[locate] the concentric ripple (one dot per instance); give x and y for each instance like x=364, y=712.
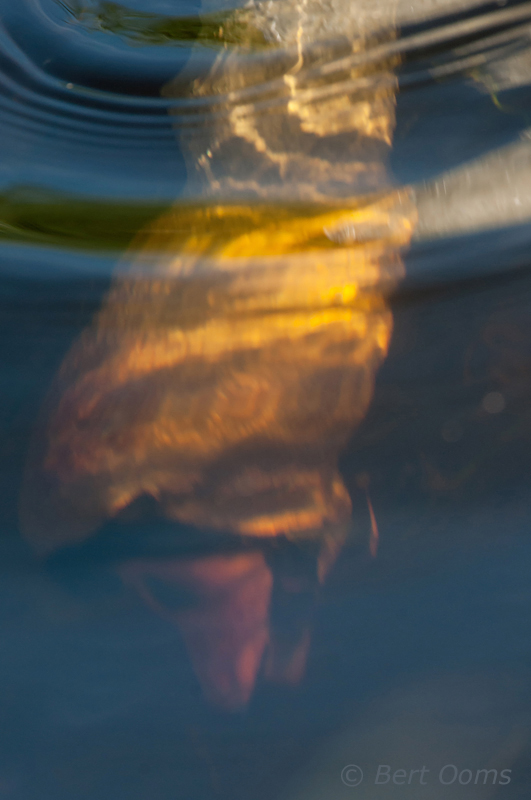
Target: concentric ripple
x=86, y=112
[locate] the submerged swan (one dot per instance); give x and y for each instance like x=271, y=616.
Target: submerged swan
x=235, y=355
x=228, y=368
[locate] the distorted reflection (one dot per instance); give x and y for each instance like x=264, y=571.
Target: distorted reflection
x=238, y=613
x=231, y=362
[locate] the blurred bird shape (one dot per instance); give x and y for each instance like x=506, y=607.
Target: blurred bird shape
x=228, y=368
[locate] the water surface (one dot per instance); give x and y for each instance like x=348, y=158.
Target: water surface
x=420, y=647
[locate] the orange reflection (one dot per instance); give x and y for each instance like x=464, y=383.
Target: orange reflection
x=225, y=387
x=231, y=362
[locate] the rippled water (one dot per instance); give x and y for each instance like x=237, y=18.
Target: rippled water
x=229, y=567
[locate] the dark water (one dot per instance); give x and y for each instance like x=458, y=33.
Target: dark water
x=420, y=656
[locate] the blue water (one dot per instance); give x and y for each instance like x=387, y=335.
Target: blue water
x=98, y=698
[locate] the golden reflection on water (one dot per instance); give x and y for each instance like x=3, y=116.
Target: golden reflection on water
x=226, y=386
x=225, y=389
x=233, y=358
